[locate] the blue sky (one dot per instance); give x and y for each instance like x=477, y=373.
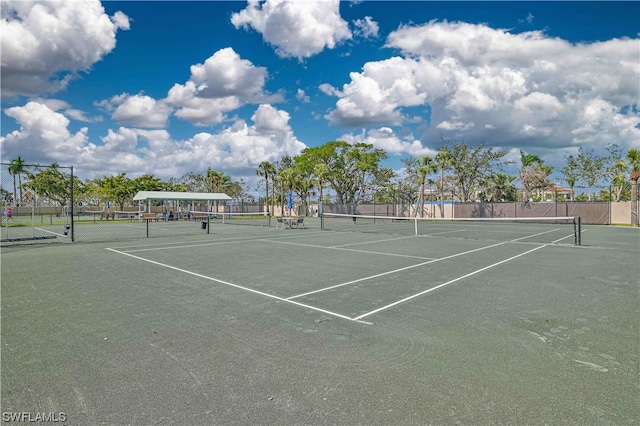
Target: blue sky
x=174, y=87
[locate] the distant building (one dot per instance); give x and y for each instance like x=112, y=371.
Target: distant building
x=555, y=192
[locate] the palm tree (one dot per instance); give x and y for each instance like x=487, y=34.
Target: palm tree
x=500, y=187
x=425, y=167
x=288, y=178
x=16, y=168
x=619, y=178
x=320, y=170
x=633, y=156
x=266, y=169
x=533, y=174
x=218, y=181
x=443, y=158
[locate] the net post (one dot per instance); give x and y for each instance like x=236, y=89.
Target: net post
x=147, y=220
x=72, y=202
x=209, y=223
x=322, y=221
x=579, y=231
x=415, y=226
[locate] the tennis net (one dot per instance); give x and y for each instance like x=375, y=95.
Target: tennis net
x=541, y=230
x=251, y=219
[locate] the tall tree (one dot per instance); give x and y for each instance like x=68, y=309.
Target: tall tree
x=350, y=168
x=54, y=185
x=289, y=178
x=619, y=178
x=471, y=166
x=320, y=171
x=616, y=170
x=194, y=182
x=426, y=168
x=633, y=157
x=266, y=169
x=285, y=162
x=382, y=189
x=533, y=174
x=592, y=168
x=119, y=189
x=16, y=169
x=217, y=181
x=148, y=182
x=443, y=159
x=571, y=173
x=500, y=187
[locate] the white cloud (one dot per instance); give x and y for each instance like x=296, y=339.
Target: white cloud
x=366, y=28
x=238, y=149
x=137, y=110
x=328, y=89
x=528, y=19
x=375, y=95
x=65, y=108
x=302, y=96
x=385, y=138
x=268, y=120
x=223, y=83
x=45, y=44
x=298, y=29
x=43, y=134
x=485, y=84
x=226, y=74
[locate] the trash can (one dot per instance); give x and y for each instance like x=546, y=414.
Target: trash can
x=204, y=225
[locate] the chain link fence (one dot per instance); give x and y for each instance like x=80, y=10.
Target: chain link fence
x=36, y=202
x=591, y=212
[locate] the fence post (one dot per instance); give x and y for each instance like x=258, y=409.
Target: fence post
x=71, y=212
x=610, y=199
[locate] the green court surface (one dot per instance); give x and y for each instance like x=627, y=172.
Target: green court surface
x=257, y=325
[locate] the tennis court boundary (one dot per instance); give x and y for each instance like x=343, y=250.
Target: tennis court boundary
x=250, y=290
x=360, y=317
x=406, y=299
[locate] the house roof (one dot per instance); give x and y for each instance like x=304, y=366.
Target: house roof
x=557, y=188
x=188, y=196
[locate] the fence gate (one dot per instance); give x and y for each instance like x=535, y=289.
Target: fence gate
x=37, y=203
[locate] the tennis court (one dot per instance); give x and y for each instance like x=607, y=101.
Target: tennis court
x=257, y=325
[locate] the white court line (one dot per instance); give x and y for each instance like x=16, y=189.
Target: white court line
x=410, y=267
x=347, y=249
x=51, y=232
x=250, y=290
x=190, y=245
x=453, y=231
x=445, y=284
x=169, y=245
x=376, y=241
x=335, y=314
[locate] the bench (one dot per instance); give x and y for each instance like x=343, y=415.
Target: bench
x=150, y=216
x=199, y=215
x=126, y=215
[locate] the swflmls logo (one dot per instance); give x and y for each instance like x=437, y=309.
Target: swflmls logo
x=27, y=417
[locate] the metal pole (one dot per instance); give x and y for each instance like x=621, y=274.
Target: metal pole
x=72, y=203
x=610, y=200
x=579, y=231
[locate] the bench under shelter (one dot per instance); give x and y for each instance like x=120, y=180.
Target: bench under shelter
x=188, y=200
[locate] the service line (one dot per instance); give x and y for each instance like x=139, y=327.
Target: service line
x=445, y=284
x=250, y=290
x=413, y=266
